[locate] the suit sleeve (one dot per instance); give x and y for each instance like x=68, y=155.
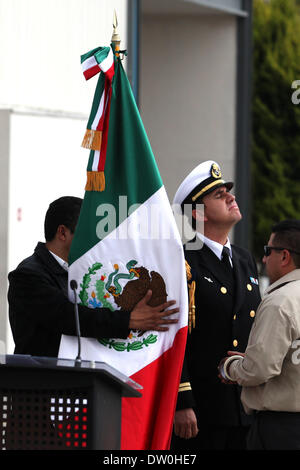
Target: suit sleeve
x=185, y=397
x=36, y=300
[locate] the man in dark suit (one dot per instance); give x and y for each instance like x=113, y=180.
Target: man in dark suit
x=39, y=308
x=224, y=295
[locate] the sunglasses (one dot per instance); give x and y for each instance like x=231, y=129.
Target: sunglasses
x=268, y=250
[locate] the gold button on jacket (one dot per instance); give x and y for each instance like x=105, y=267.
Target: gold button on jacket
x=218, y=299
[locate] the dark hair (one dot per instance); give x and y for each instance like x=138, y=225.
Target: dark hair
x=287, y=235
x=62, y=211
x=191, y=207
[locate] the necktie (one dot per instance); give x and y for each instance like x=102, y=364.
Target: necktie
x=225, y=257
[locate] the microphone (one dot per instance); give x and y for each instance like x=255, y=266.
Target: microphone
x=73, y=285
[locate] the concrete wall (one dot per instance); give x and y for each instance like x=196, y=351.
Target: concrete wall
x=188, y=91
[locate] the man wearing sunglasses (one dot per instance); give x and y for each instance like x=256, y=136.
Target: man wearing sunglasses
x=269, y=370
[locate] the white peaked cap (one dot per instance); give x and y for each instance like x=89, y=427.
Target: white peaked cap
x=204, y=179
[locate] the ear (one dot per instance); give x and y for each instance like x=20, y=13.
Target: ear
x=61, y=232
x=286, y=258
x=199, y=214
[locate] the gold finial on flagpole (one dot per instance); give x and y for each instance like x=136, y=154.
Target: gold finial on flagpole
x=115, y=39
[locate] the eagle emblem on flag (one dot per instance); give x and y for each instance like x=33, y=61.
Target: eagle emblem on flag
x=116, y=287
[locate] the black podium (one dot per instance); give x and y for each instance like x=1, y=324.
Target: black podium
x=55, y=404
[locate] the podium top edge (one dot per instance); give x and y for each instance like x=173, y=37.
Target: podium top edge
x=54, y=363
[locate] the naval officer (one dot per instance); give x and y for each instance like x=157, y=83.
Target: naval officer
x=224, y=295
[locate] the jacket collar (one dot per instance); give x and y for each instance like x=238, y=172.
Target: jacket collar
x=240, y=269
x=47, y=259
x=291, y=276
x=208, y=259
x=216, y=247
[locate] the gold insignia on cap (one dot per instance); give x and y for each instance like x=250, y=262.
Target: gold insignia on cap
x=215, y=171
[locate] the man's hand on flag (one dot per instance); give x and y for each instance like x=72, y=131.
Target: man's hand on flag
x=144, y=317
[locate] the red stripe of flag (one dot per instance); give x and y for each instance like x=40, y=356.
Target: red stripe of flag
x=89, y=73
x=147, y=422
x=104, y=124
x=110, y=72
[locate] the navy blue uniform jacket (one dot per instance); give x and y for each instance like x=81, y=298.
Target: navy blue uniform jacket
x=225, y=310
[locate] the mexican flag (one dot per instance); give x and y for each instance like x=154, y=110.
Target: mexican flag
x=125, y=243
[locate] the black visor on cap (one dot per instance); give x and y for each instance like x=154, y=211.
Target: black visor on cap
x=197, y=195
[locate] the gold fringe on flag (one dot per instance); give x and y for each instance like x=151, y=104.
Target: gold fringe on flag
x=92, y=140
x=95, y=181
x=192, y=307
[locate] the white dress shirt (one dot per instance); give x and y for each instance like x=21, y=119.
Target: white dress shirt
x=61, y=261
x=216, y=247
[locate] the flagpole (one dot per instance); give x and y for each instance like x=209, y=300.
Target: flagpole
x=115, y=39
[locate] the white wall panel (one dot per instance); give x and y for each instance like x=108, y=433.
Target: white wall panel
x=40, y=46
x=46, y=162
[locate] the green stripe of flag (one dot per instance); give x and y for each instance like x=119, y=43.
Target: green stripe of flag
x=130, y=168
x=100, y=54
